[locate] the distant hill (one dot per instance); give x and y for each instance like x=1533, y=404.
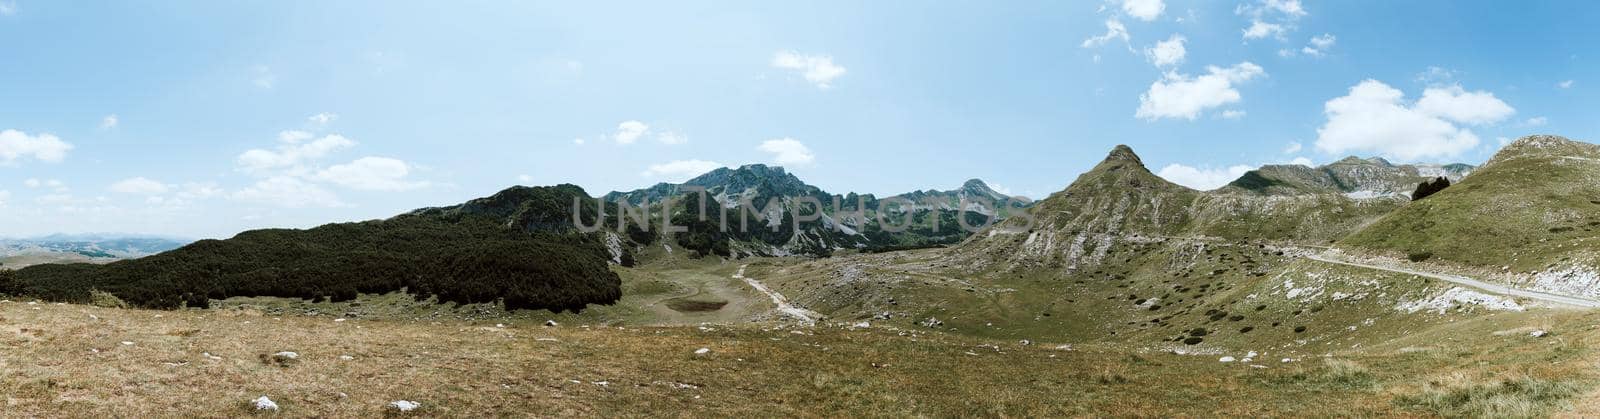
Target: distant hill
x=1533, y=207
x=91, y=245
x=845, y=227
x=1352, y=176
x=517, y=247
x=1120, y=202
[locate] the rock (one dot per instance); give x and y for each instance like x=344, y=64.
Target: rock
x=861, y=325
x=931, y=322
x=1025, y=342
x=264, y=403
x=549, y=323
x=346, y=358
x=702, y=351
x=282, y=359
x=1225, y=359
x=1538, y=333
x=127, y=343
x=404, y=405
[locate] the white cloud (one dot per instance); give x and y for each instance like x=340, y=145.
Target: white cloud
x=1273, y=18
x=1183, y=96
x=788, y=151
x=293, y=151
x=680, y=170
x=322, y=119
x=1259, y=29
x=1457, y=104
x=1536, y=121
x=672, y=138
x=525, y=179
x=1437, y=76
x=817, y=69
x=109, y=122
x=1146, y=10
x=1565, y=84
x=8, y=8
x=1293, y=147
x=371, y=174
x=578, y=141
x=629, y=131
x=1374, y=117
x=199, y=190
x=17, y=145
x=264, y=78
x=1303, y=162
x=1114, y=31
x=1205, y=178
x=1232, y=114
x=1168, y=52
x=289, y=192
x=1319, y=45
x=139, y=186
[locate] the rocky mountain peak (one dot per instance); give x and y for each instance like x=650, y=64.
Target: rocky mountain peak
x=1545, y=146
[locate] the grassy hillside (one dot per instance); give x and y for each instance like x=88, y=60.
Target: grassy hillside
x=515, y=252
x=1533, y=207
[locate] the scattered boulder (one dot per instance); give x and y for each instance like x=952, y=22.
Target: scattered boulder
x=549, y=323
x=1538, y=333
x=1225, y=359
x=702, y=351
x=282, y=359
x=264, y=404
x=404, y=405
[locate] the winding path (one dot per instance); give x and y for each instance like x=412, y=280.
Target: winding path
x=1461, y=280
x=784, y=307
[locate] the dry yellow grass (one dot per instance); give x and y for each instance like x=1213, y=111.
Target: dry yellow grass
x=70, y=360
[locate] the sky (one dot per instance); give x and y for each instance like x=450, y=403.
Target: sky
x=202, y=119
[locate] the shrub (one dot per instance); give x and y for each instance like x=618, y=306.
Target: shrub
x=1419, y=256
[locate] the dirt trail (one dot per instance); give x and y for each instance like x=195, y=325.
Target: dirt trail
x=784, y=307
x=1565, y=300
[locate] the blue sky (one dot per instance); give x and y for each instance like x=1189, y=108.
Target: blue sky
x=202, y=119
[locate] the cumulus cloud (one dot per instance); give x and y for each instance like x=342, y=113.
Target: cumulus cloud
x=289, y=192
x=322, y=119
x=1146, y=10
x=1232, y=114
x=139, y=186
x=1186, y=97
x=679, y=170
x=817, y=69
x=8, y=8
x=672, y=138
x=1274, y=18
x=629, y=131
x=1203, y=178
x=1167, y=53
x=109, y=122
x=295, y=148
x=17, y=146
x=1565, y=84
x=1536, y=121
x=371, y=174
x=788, y=152
x=1375, y=117
x=1114, y=31
x=1319, y=45
x=1293, y=147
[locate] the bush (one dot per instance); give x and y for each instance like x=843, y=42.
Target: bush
x=1419, y=256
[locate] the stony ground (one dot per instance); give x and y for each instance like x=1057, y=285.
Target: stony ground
x=72, y=360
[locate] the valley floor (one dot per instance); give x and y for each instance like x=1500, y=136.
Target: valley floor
x=642, y=357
